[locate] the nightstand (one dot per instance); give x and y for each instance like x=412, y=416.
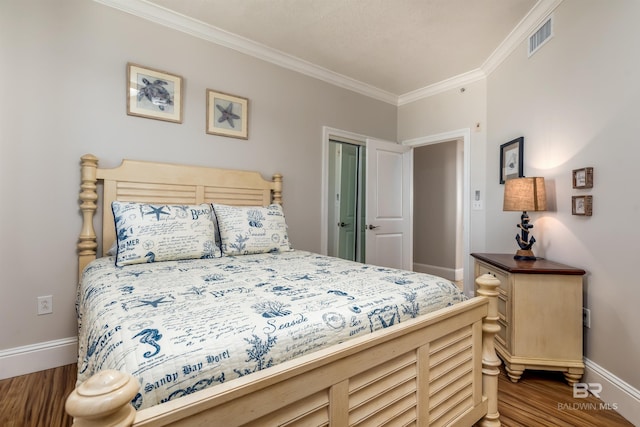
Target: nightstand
x=540, y=314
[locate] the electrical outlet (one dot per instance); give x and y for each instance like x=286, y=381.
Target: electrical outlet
x=586, y=317
x=45, y=305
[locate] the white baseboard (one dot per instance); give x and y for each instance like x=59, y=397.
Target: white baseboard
x=38, y=357
x=620, y=395
x=453, y=274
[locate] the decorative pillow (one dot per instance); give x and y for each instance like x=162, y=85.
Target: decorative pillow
x=251, y=229
x=148, y=233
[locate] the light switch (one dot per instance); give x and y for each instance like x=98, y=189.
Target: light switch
x=477, y=201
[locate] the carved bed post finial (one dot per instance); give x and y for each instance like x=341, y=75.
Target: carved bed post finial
x=87, y=242
x=104, y=400
x=487, y=287
x=277, y=188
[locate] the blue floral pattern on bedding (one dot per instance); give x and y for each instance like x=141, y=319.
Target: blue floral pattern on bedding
x=181, y=326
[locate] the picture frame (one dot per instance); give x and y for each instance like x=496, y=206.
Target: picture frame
x=227, y=115
x=582, y=205
x=512, y=159
x=583, y=178
x=153, y=94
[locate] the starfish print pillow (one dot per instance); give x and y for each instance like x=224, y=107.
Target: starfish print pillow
x=152, y=232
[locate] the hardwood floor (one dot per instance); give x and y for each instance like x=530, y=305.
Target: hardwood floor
x=37, y=399
x=545, y=399
x=538, y=399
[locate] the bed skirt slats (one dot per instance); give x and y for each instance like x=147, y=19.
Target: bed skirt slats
x=310, y=411
x=451, y=376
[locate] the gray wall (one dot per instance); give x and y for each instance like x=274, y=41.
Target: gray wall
x=576, y=103
x=63, y=86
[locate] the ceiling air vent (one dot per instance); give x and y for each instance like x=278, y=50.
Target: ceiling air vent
x=540, y=37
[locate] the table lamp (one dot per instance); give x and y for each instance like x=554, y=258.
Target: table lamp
x=525, y=194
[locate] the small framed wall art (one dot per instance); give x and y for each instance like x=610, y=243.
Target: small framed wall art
x=153, y=94
x=227, y=115
x=582, y=205
x=583, y=178
x=511, y=159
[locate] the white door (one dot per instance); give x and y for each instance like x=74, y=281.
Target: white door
x=388, y=204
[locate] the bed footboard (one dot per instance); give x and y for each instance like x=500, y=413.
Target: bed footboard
x=440, y=369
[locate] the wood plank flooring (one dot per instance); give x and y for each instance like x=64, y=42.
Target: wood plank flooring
x=538, y=399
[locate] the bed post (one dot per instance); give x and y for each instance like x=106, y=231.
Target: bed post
x=104, y=400
x=87, y=242
x=487, y=287
x=277, y=188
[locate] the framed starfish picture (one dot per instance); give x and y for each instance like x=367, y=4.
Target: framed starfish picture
x=227, y=115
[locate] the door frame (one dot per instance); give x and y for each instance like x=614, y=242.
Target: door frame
x=464, y=135
x=329, y=133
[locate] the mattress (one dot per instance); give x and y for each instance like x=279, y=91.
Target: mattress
x=182, y=326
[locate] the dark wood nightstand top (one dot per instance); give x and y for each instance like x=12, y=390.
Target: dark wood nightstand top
x=539, y=266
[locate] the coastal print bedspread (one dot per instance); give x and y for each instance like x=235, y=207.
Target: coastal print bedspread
x=181, y=326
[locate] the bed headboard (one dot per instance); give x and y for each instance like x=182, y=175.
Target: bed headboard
x=168, y=183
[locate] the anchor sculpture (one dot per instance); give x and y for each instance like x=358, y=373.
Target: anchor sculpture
x=525, y=252
x=525, y=194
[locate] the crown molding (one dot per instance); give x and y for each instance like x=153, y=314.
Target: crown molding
x=442, y=86
x=196, y=28
x=168, y=18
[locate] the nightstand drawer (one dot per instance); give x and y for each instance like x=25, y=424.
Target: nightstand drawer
x=483, y=268
x=503, y=301
x=503, y=320
x=501, y=336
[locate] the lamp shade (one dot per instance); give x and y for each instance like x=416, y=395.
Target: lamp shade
x=525, y=194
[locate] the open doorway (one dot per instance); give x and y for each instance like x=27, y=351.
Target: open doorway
x=457, y=193
x=346, y=213
x=437, y=244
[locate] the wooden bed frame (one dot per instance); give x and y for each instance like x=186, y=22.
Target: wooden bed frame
x=438, y=369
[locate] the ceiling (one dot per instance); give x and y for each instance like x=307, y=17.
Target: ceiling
x=389, y=48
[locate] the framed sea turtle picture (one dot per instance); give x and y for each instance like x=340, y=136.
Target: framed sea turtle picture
x=154, y=94
x=227, y=115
